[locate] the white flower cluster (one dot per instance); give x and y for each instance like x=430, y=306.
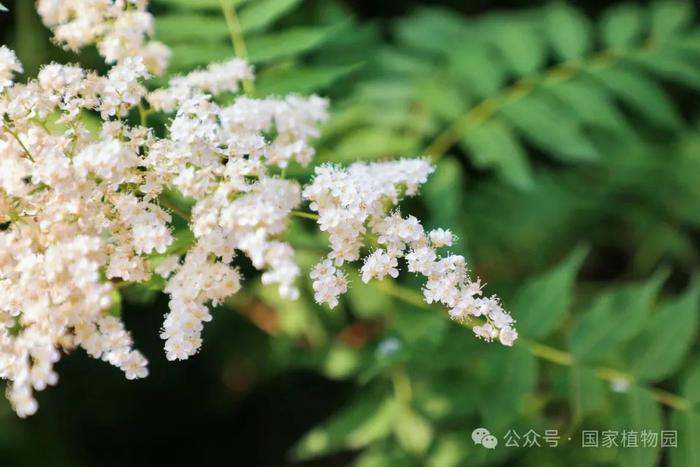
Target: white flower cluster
x=352, y=205
x=119, y=29
x=81, y=214
x=9, y=65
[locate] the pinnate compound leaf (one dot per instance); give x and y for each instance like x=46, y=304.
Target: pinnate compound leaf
x=614, y=318
x=522, y=48
x=549, y=126
x=641, y=94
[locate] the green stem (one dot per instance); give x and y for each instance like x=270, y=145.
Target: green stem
x=402, y=385
x=143, y=114
x=27, y=154
x=550, y=354
x=166, y=202
x=237, y=39
x=305, y=215
x=521, y=88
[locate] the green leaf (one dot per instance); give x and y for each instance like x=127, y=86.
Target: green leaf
x=481, y=73
x=432, y=30
x=191, y=27
x=493, y=145
x=365, y=301
x=614, y=318
x=522, y=48
x=507, y=377
x=361, y=423
x=569, y=31
x=413, y=432
x=299, y=79
x=542, y=303
x=372, y=143
x=670, y=17
x=673, y=67
x=420, y=331
x=291, y=42
x=442, y=194
x=116, y=308
x=441, y=96
x=587, y=391
x=641, y=94
x=591, y=102
x=450, y=451
x=622, y=25
x=341, y=361
x=636, y=411
x=549, y=126
x=658, y=351
x=687, y=424
x=259, y=14
x=196, y=4
x=185, y=57
x=297, y=318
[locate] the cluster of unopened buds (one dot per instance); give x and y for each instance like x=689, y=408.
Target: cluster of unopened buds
x=82, y=210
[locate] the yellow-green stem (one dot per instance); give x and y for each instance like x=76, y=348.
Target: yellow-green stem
x=521, y=88
x=548, y=353
x=305, y=215
x=237, y=39
x=27, y=154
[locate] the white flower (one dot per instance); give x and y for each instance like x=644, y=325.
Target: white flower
x=81, y=210
x=378, y=265
x=9, y=65
x=441, y=237
x=507, y=336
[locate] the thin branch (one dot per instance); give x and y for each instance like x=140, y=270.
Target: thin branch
x=521, y=88
x=550, y=354
x=237, y=39
x=305, y=215
x=27, y=154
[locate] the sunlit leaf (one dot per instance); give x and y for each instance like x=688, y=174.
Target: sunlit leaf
x=362, y=422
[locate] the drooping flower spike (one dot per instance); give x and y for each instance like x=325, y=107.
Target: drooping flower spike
x=80, y=211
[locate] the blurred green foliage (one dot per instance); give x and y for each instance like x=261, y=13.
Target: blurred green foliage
x=568, y=152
